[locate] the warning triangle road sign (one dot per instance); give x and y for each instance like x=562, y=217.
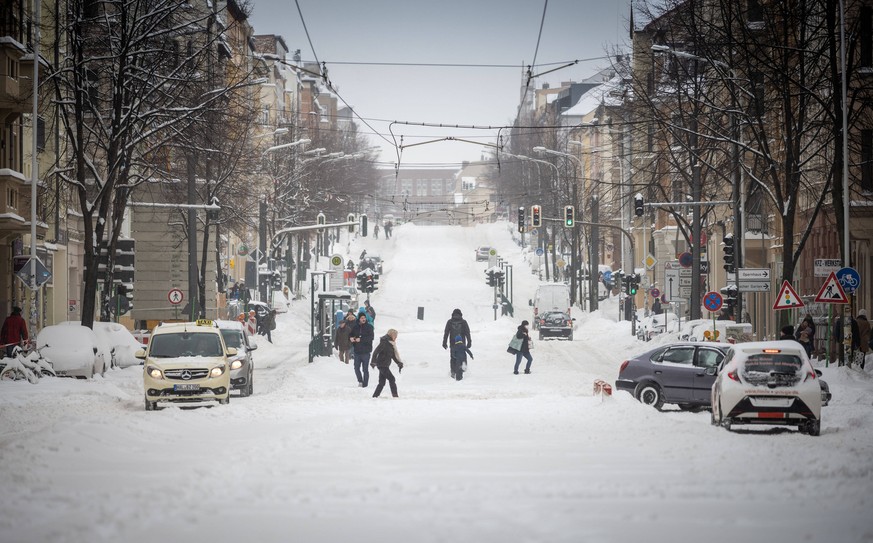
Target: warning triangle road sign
x=832, y=292
x=787, y=298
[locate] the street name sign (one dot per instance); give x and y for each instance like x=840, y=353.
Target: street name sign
x=754, y=274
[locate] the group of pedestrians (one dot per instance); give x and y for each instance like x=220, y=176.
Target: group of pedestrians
x=261, y=323
x=861, y=336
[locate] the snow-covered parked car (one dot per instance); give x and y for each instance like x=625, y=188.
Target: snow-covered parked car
x=123, y=346
x=73, y=350
x=767, y=382
x=655, y=325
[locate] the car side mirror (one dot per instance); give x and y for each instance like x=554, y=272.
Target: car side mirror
x=231, y=351
x=530, y=303
x=140, y=353
x=253, y=345
x=818, y=372
x=711, y=370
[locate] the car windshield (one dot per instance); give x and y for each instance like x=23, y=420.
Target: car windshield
x=232, y=338
x=185, y=344
x=555, y=317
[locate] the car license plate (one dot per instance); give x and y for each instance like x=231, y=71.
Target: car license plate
x=771, y=402
x=186, y=387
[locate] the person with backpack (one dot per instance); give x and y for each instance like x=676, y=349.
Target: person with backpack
x=343, y=340
x=361, y=339
x=459, y=357
x=370, y=311
x=382, y=357
x=269, y=324
x=14, y=331
x=456, y=326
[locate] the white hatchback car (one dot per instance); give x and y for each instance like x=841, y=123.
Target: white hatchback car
x=73, y=350
x=767, y=382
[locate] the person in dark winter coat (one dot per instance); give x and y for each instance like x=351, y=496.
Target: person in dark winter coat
x=361, y=338
x=269, y=324
x=459, y=357
x=382, y=357
x=370, y=311
x=14, y=330
x=524, y=351
x=343, y=340
x=456, y=326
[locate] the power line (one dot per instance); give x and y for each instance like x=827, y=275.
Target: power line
x=456, y=64
x=536, y=51
x=306, y=30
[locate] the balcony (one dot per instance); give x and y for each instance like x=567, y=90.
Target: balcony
x=15, y=81
x=15, y=205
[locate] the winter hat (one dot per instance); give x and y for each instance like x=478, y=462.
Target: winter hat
x=16, y=310
x=524, y=323
x=456, y=313
x=862, y=313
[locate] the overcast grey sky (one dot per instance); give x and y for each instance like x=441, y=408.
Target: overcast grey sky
x=494, y=32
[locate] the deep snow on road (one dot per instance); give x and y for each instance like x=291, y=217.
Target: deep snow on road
x=495, y=457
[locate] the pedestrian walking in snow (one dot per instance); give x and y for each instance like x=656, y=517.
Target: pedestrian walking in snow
x=456, y=326
x=863, y=335
x=523, y=349
x=361, y=338
x=376, y=231
x=459, y=352
x=389, y=228
x=343, y=337
x=370, y=311
x=382, y=357
x=269, y=324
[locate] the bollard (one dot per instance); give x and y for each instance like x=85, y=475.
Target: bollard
x=421, y=313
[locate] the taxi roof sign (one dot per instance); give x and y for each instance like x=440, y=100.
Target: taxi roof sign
x=205, y=322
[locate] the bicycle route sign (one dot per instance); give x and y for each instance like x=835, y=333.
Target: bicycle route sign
x=849, y=279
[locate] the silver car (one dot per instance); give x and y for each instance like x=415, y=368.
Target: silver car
x=242, y=367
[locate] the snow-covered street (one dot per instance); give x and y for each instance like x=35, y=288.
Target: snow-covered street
x=495, y=457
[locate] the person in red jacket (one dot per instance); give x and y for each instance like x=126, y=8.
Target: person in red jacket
x=14, y=330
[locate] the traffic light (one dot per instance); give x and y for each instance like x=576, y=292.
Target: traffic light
x=521, y=219
x=499, y=278
x=492, y=280
x=569, y=216
x=728, y=253
x=362, y=281
x=320, y=219
x=374, y=282
x=364, y=225
x=351, y=218
x=634, y=284
x=536, y=216
x=638, y=205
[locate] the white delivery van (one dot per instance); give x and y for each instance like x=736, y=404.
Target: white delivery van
x=551, y=297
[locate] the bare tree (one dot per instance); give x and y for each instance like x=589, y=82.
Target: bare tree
x=131, y=82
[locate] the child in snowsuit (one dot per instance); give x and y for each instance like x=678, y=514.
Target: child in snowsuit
x=459, y=357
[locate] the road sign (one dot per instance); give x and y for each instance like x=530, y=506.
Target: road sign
x=607, y=276
x=684, y=292
x=787, y=298
x=756, y=286
x=175, y=296
x=849, y=280
x=712, y=301
x=256, y=255
x=655, y=293
x=493, y=252
x=22, y=266
x=685, y=260
x=539, y=251
x=832, y=292
x=650, y=261
x=754, y=274
x=336, y=260
x=824, y=266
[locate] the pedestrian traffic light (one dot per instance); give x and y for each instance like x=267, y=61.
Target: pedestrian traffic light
x=536, y=217
x=728, y=253
x=638, y=205
x=521, y=219
x=351, y=218
x=364, y=225
x=569, y=216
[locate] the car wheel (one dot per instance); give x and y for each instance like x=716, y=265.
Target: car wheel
x=251, y=386
x=541, y=336
x=150, y=406
x=225, y=401
x=727, y=423
x=813, y=427
x=650, y=394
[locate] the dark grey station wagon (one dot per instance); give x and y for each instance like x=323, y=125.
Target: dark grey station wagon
x=674, y=374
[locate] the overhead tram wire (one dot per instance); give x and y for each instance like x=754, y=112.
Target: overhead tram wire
x=536, y=52
x=306, y=30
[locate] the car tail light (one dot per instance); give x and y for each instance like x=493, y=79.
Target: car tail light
x=623, y=366
x=734, y=375
x=809, y=375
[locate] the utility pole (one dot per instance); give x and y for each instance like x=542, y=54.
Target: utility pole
x=594, y=258
x=694, y=309
x=193, y=283
x=262, y=247
x=574, y=244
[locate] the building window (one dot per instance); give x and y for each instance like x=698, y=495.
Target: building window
x=12, y=198
x=92, y=87
x=11, y=68
x=91, y=8
x=754, y=11
x=40, y=134
x=650, y=137
x=867, y=160
x=866, y=37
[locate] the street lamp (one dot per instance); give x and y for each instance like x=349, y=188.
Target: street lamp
x=304, y=141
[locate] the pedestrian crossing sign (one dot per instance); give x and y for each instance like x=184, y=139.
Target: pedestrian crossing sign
x=788, y=298
x=832, y=292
